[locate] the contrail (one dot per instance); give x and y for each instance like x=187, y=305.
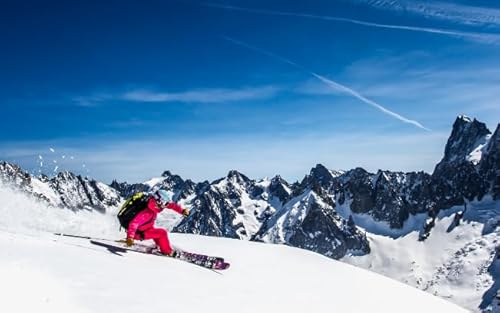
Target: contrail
x=481, y=37
x=454, y=12
x=328, y=82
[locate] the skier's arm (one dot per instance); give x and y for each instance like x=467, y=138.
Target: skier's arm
x=174, y=206
x=141, y=218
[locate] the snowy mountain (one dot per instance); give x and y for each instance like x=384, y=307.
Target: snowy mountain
x=389, y=197
x=461, y=174
x=458, y=261
x=308, y=222
x=180, y=188
x=65, y=190
x=234, y=206
x=46, y=273
x=359, y=217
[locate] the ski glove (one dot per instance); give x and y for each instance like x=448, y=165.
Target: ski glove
x=185, y=212
x=130, y=242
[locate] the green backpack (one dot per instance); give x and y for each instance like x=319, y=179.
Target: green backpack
x=131, y=208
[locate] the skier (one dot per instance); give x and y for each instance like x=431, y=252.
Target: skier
x=141, y=227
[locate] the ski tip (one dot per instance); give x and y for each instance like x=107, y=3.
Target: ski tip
x=223, y=266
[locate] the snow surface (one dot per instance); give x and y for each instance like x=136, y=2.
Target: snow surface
x=249, y=210
x=42, y=272
x=43, y=188
x=451, y=263
x=475, y=155
x=154, y=181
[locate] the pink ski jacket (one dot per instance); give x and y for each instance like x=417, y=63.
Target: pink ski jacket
x=145, y=219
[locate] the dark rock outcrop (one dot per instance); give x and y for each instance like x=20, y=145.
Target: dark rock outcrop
x=457, y=176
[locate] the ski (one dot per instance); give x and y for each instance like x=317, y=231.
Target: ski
x=213, y=262
x=181, y=253
x=210, y=262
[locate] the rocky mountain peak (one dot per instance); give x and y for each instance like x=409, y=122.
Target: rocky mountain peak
x=65, y=190
x=13, y=174
x=311, y=223
x=65, y=175
x=280, y=188
x=171, y=180
x=237, y=177
x=77, y=192
x=127, y=190
x=171, y=177
x=278, y=180
x=465, y=136
x=167, y=173
x=319, y=178
x=322, y=174
x=466, y=171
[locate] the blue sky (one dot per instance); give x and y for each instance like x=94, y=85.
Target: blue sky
x=127, y=89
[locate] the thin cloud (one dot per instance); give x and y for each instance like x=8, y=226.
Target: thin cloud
x=90, y=101
x=412, y=74
x=453, y=12
x=203, y=95
x=476, y=36
x=368, y=101
x=335, y=85
x=444, y=89
x=215, y=95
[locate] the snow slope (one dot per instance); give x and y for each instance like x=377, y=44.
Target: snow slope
x=451, y=263
x=46, y=273
x=49, y=274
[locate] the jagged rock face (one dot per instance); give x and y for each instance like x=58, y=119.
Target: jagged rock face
x=238, y=207
x=453, y=182
x=233, y=207
x=386, y=196
x=320, y=178
x=127, y=190
x=280, y=189
x=77, y=192
x=417, y=191
x=210, y=216
x=465, y=136
x=357, y=185
x=490, y=164
x=13, y=175
x=309, y=221
x=390, y=204
x=323, y=231
x=185, y=190
x=457, y=176
x=65, y=190
x=397, y=195
x=322, y=175
x=181, y=188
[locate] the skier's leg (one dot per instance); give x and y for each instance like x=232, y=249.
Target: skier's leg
x=160, y=237
x=139, y=235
